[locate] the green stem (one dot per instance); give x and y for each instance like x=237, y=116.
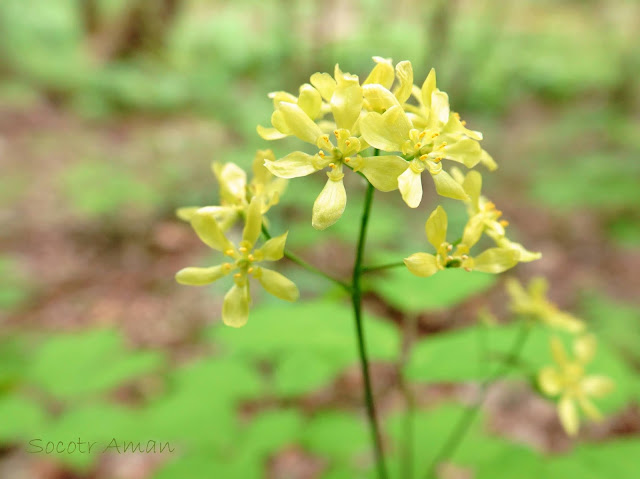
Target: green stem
x=459, y=432
x=367, y=269
x=356, y=298
x=309, y=267
x=407, y=446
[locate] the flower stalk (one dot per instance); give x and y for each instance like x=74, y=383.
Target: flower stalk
x=356, y=299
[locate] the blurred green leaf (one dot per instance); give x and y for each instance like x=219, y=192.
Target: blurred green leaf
x=199, y=410
x=22, y=418
x=72, y=366
x=339, y=436
x=591, y=180
x=270, y=431
x=320, y=334
x=98, y=188
x=206, y=465
x=318, y=371
x=614, y=322
x=443, y=290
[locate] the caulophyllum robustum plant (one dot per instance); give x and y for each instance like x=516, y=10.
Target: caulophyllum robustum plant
x=394, y=135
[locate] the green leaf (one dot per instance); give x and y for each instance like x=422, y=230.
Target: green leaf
x=199, y=410
x=513, y=461
x=271, y=431
x=73, y=365
x=614, y=322
x=303, y=372
x=431, y=429
x=443, y=290
x=22, y=418
x=13, y=361
x=96, y=423
x=338, y=436
x=613, y=458
x=314, y=332
x=205, y=465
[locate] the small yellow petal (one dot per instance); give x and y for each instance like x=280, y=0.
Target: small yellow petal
x=253, y=222
x=225, y=216
x=473, y=231
x=299, y=123
x=584, y=348
x=235, y=308
x=488, y=161
x=388, y=131
x=383, y=171
x=436, y=227
x=439, y=108
x=186, y=213
x=278, y=285
x=200, y=276
x=325, y=84
x=558, y=352
x=208, y=230
x=310, y=101
x=550, y=381
x=422, y=264
x=233, y=181
x=382, y=73
x=465, y=151
x=280, y=124
x=260, y=174
x=404, y=72
x=410, y=186
x=346, y=101
x=378, y=98
x=597, y=386
x=269, y=133
x=273, y=249
x=495, y=260
x=568, y=416
x=589, y=409
x=447, y=186
x=294, y=165
x=472, y=185
x=428, y=87
x=329, y=205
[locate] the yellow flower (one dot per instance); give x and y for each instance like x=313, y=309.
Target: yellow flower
x=492, y=260
x=425, y=134
x=244, y=260
x=235, y=194
x=534, y=303
x=567, y=379
x=344, y=101
x=487, y=216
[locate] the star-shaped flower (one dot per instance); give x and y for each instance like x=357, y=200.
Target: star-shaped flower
x=567, y=379
x=244, y=260
x=492, y=260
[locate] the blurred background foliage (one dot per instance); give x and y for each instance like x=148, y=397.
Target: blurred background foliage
x=111, y=112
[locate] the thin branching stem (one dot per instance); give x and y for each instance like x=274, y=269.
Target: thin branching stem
x=462, y=427
x=368, y=269
x=309, y=267
x=410, y=327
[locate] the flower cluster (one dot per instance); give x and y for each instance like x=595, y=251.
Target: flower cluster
x=343, y=118
x=244, y=259
x=416, y=130
x=386, y=129
x=566, y=380
x=236, y=193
